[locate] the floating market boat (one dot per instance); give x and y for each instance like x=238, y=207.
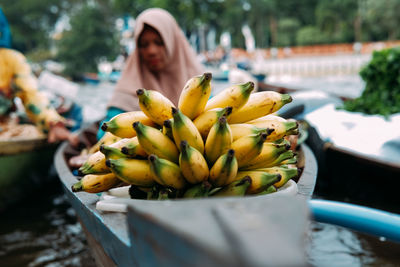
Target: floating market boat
x=245, y=231
x=24, y=166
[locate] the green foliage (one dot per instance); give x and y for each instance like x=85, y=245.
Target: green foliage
x=382, y=89
x=92, y=37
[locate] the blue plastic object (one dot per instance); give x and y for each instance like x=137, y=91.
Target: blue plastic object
x=5, y=33
x=363, y=219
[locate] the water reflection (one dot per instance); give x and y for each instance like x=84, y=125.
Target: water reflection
x=43, y=231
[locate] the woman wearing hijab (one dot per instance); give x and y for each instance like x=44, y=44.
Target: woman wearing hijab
x=162, y=61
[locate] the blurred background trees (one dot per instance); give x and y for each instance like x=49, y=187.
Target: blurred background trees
x=82, y=33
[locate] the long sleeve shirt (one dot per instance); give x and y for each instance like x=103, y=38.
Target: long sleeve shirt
x=17, y=80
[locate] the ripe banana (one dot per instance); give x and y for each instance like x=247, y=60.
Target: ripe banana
x=184, y=129
x=224, y=170
x=199, y=190
x=259, y=180
x=194, y=95
x=281, y=126
x=155, y=142
x=235, y=189
x=107, y=139
x=132, y=171
x=96, y=163
x=133, y=149
x=248, y=147
x=270, y=152
x=155, y=105
x=207, y=119
x=234, y=96
x=121, y=124
x=96, y=183
x=111, y=152
x=192, y=163
x=242, y=129
x=166, y=172
x=218, y=141
x=267, y=164
x=285, y=171
x=258, y=105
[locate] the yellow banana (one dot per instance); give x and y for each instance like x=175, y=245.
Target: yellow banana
x=207, y=119
x=248, y=147
x=167, y=129
x=218, y=141
x=285, y=171
x=192, y=163
x=166, y=172
x=155, y=142
x=121, y=124
x=224, y=170
x=132, y=171
x=133, y=149
x=269, y=153
x=194, y=95
x=234, y=96
x=282, y=158
x=155, y=105
x=281, y=126
x=96, y=183
x=184, y=129
x=107, y=139
x=258, y=105
x=259, y=180
x=111, y=152
x=96, y=163
x=234, y=189
x=242, y=129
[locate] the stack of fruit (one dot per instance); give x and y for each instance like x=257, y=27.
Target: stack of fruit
x=229, y=145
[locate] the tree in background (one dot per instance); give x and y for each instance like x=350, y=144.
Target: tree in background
x=91, y=38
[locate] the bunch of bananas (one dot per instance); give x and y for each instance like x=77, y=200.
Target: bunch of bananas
x=229, y=145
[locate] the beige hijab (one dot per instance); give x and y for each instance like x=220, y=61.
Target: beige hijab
x=182, y=63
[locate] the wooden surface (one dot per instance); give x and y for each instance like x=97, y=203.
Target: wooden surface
x=250, y=231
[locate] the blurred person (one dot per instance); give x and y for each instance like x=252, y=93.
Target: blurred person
x=17, y=80
x=163, y=60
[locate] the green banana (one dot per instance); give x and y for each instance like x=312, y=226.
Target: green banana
x=259, y=180
x=199, y=190
x=155, y=142
x=166, y=172
x=234, y=189
x=285, y=171
x=269, y=190
x=270, y=152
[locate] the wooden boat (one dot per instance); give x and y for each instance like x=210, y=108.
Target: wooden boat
x=24, y=166
x=204, y=232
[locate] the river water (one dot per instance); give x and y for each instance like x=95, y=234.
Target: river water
x=43, y=230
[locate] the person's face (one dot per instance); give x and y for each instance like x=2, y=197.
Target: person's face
x=152, y=50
